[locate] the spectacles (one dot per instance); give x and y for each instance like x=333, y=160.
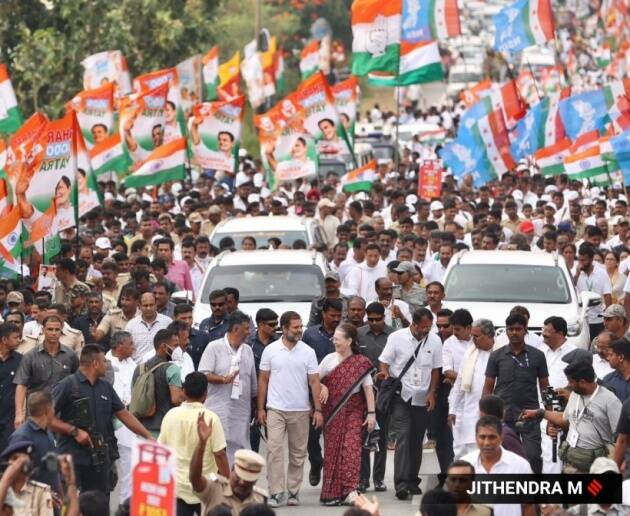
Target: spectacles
x=273, y=324
x=374, y=319
x=442, y=326
x=217, y=304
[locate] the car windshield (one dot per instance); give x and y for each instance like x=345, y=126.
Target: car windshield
x=286, y=237
x=385, y=152
x=267, y=282
x=507, y=284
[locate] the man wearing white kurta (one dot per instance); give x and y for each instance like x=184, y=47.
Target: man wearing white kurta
x=464, y=399
x=360, y=280
x=229, y=366
x=555, y=338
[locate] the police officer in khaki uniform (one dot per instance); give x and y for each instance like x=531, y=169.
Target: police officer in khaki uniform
x=235, y=492
x=70, y=337
x=116, y=319
x=66, y=276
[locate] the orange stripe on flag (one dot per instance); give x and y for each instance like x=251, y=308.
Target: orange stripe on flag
x=109, y=143
x=354, y=174
x=407, y=47
x=311, y=48
x=365, y=11
x=4, y=73
x=167, y=149
x=8, y=224
x=545, y=15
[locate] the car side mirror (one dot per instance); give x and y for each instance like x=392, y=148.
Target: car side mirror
x=591, y=299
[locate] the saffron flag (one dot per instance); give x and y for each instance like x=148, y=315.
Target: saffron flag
x=361, y=179
x=550, y=160
x=419, y=63
x=430, y=20
x=10, y=243
x=210, y=71
x=109, y=156
x=376, y=28
x=473, y=95
x=346, y=95
x=108, y=66
x=230, y=78
x=523, y=24
x=10, y=115
x=215, y=133
x=166, y=163
x=309, y=59
x=95, y=113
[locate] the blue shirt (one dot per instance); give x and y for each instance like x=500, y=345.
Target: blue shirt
x=258, y=347
x=8, y=369
x=320, y=340
x=215, y=330
x=198, y=340
x=43, y=443
x=618, y=385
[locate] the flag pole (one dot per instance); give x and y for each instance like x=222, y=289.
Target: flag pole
x=531, y=70
x=397, y=122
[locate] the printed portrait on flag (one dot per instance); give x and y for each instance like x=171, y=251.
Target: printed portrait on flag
x=215, y=132
x=95, y=113
x=346, y=95
x=293, y=157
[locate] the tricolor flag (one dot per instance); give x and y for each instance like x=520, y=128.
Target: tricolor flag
x=550, y=160
x=523, y=24
x=309, y=59
x=10, y=244
x=527, y=87
x=586, y=164
x=376, y=27
x=419, y=63
x=166, y=163
x=554, y=128
x=346, y=94
x=529, y=133
x=95, y=113
x=361, y=179
x=506, y=98
x=429, y=20
x=493, y=133
x=210, y=73
x=10, y=115
x=473, y=95
x=230, y=78
x=109, y=156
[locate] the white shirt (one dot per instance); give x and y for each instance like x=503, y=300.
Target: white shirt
x=143, y=335
x=453, y=351
x=597, y=282
x=360, y=280
x=509, y=463
x=434, y=272
x=404, y=309
x=601, y=366
x=184, y=361
x=399, y=349
x=288, y=387
x=123, y=374
x=346, y=266
x=555, y=365
x=31, y=329
x=531, y=339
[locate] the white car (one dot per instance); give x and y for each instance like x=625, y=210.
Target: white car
x=490, y=283
x=463, y=76
x=287, y=228
x=278, y=279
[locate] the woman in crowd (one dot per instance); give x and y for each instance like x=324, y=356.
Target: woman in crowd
x=617, y=280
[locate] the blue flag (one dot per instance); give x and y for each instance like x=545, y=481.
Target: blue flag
x=584, y=112
x=621, y=149
x=529, y=133
x=523, y=24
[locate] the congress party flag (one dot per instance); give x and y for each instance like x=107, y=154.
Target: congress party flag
x=554, y=128
x=550, y=160
x=523, y=24
x=428, y=20
x=142, y=119
x=621, y=148
x=109, y=156
x=215, y=132
x=103, y=67
x=376, y=28
x=473, y=95
x=529, y=133
x=419, y=63
x=253, y=74
x=361, y=179
x=526, y=84
x=210, y=70
x=269, y=62
x=493, y=134
x=190, y=84
x=166, y=163
x=86, y=191
x=584, y=112
x=174, y=119
x=95, y=113
x=10, y=115
x=321, y=118
x=10, y=243
x=506, y=98
x=346, y=95
x=230, y=78
x=309, y=59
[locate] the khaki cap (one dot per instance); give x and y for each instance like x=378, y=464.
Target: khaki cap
x=248, y=465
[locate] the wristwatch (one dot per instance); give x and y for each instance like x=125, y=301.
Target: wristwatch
x=74, y=432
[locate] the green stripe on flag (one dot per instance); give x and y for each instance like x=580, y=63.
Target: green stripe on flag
x=119, y=164
x=553, y=170
x=432, y=23
x=12, y=122
x=364, y=62
x=177, y=173
x=429, y=73
x=359, y=186
x=526, y=23
x=591, y=172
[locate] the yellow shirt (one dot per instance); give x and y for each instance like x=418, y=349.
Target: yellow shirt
x=179, y=431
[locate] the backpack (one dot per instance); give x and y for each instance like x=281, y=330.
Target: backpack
x=142, y=403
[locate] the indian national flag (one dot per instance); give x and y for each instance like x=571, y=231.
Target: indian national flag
x=472, y=95
x=109, y=156
x=309, y=59
x=166, y=163
x=495, y=138
x=210, y=69
x=419, y=63
x=376, y=27
x=10, y=243
x=361, y=179
x=586, y=164
x=550, y=160
x=10, y=115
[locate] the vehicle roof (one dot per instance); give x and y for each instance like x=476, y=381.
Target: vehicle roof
x=269, y=257
x=257, y=224
x=506, y=257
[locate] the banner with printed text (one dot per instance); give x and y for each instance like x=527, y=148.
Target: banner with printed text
x=104, y=67
x=190, y=85
x=346, y=95
x=430, y=180
x=95, y=113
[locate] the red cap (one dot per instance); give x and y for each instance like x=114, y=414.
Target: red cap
x=526, y=226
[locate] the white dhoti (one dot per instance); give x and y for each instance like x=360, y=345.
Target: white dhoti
x=547, y=449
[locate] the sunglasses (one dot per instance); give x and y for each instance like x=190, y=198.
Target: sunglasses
x=217, y=304
x=442, y=326
x=273, y=324
x=374, y=319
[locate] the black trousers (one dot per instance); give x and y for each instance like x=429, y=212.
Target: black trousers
x=90, y=478
x=411, y=424
x=188, y=509
x=531, y=438
x=254, y=438
x=380, y=457
x=442, y=433
x=314, y=448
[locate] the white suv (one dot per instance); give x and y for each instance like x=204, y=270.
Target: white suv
x=490, y=283
x=281, y=280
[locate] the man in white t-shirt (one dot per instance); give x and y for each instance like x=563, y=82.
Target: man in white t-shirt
x=593, y=279
x=288, y=370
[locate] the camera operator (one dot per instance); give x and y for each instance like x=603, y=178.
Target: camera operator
x=85, y=405
x=30, y=497
x=590, y=419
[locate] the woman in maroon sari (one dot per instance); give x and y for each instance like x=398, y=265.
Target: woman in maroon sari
x=347, y=395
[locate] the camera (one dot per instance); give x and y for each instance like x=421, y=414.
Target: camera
x=551, y=399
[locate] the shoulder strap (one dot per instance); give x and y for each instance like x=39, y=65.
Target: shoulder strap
x=413, y=357
x=154, y=368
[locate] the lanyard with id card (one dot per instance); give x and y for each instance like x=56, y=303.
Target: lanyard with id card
x=416, y=371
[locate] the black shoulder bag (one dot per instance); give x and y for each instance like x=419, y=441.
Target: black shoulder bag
x=393, y=385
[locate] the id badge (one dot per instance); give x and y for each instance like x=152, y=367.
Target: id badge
x=416, y=377
x=572, y=438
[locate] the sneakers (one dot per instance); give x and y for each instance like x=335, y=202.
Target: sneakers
x=293, y=500
x=276, y=500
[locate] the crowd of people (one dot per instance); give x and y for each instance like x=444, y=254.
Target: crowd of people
x=109, y=352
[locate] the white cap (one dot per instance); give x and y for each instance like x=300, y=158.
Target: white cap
x=436, y=205
x=176, y=188
x=518, y=195
x=240, y=179
x=460, y=219
x=411, y=199
x=587, y=201
x=545, y=197
x=265, y=192
x=551, y=205
x=253, y=197
x=103, y=243
x=572, y=195
x=108, y=196
x=551, y=188
x=242, y=152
